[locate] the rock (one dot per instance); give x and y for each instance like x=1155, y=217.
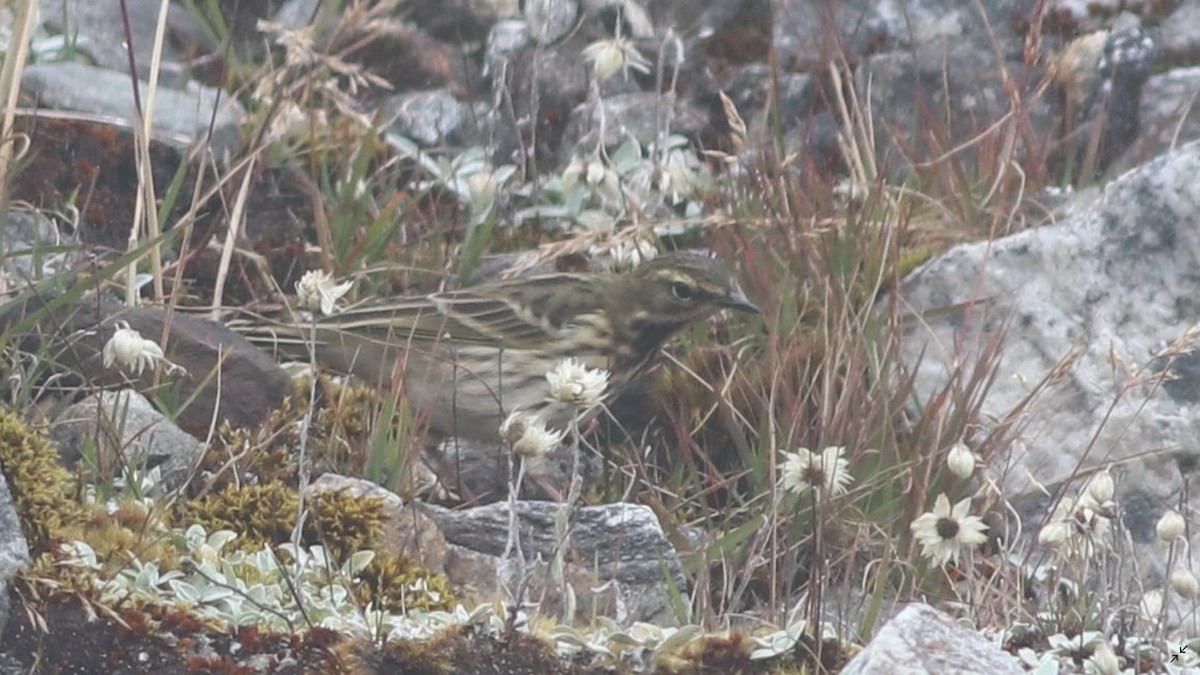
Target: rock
x=517, y=67
x=98, y=30
x=1104, y=95
x=24, y=238
x=181, y=116
x=1093, y=304
x=548, y=21
x=431, y=118
x=227, y=378
x=14, y=551
x=1181, y=34
x=407, y=531
x=923, y=640
x=903, y=87
x=121, y=428
x=810, y=34
x=621, y=543
x=640, y=115
x=409, y=58
x=477, y=472
x=1170, y=115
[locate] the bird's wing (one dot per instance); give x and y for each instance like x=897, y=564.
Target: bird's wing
x=512, y=315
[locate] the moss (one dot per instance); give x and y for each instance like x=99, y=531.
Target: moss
x=461, y=649
x=263, y=455
x=265, y=514
x=911, y=260
x=354, y=409
x=132, y=528
x=43, y=490
x=341, y=428
x=259, y=514
x=387, y=583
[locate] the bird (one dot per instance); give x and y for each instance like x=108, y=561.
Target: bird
x=468, y=358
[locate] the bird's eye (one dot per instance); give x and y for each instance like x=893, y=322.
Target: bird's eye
x=681, y=290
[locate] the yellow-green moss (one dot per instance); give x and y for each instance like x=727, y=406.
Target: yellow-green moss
x=265, y=514
x=43, y=490
x=393, y=583
x=911, y=259
x=263, y=455
x=132, y=528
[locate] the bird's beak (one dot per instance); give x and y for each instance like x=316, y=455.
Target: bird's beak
x=737, y=300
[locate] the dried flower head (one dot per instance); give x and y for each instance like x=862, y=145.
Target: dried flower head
x=128, y=349
x=1101, y=487
x=574, y=383
x=1170, y=526
x=1077, y=526
x=827, y=473
x=1185, y=583
x=609, y=56
x=528, y=435
x=316, y=290
x=945, y=530
x=1055, y=534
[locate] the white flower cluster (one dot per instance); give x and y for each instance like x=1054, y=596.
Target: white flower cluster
x=316, y=290
x=128, y=349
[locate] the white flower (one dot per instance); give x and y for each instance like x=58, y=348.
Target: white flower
x=1184, y=583
x=528, y=435
x=573, y=382
x=316, y=291
x=1170, y=526
x=1101, y=487
x=626, y=254
x=960, y=460
x=1055, y=534
x=827, y=473
x=1078, y=525
x=943, y=531
x=130, y=350
x=609, y=56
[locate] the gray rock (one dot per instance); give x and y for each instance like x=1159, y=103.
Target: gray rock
x=181, y=116
x=1181, y=33
x=1109, y=121
x=959, y=81
x=641, y=115
x=923, y=640
x=10, y=665
x=1111, y=287
x=621, y=543
x=25, y=237
x=431, y=118
x=123, y=428
x=97, y=29
x=549, y=20
x=14, y=551
x=1170, y=115
x=477, y=472
x=808, y=34
x=620, y=563
x=227, y=378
